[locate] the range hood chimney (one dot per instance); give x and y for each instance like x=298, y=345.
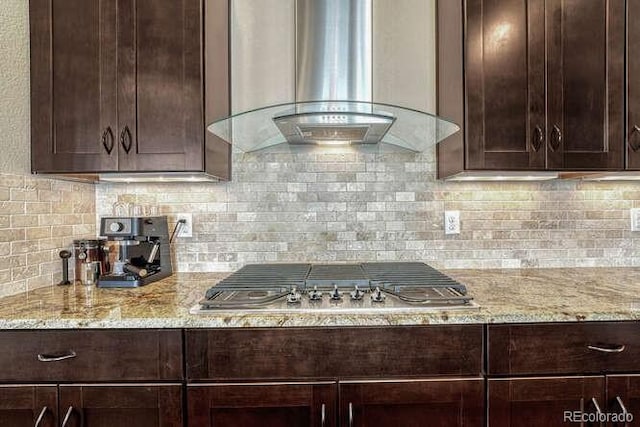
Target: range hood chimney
x=334, y=91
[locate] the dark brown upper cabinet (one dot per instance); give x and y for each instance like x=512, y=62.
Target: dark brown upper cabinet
x=535, y=84
x=118, y=86
x=633, y=85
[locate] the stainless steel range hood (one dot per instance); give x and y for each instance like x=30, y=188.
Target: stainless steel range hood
x=334, y=91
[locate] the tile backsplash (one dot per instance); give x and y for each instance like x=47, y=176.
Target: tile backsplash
x=38, y=218
x=346, y=205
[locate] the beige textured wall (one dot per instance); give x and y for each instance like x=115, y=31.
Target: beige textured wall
x=38, y=217
x=14, y=87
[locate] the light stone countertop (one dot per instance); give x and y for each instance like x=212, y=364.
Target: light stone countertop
x=505, y=296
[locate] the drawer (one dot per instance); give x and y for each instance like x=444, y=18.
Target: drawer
x=563, y=348
x=305, y=353
x=90, y=355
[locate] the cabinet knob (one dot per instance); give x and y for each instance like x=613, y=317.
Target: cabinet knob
x=537, y=139
x=107, y=140
x=556, y=138
x=634, y=138
x=125, y=139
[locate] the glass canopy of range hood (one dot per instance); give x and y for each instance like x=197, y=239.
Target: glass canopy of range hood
x=333, y=123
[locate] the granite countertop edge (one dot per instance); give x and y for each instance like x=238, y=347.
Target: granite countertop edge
x=504, y=296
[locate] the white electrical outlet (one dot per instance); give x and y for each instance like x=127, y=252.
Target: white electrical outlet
x=452, y=222
x=187, y=228
x=635, y=219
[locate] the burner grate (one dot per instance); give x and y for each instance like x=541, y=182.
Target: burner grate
x=409, y=274
x=281, y=277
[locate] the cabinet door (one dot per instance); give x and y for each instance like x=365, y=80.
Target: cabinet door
x=25, y=406
x=416, y=403
x=505, y=85
x=73, y=85
x=633, y=84
x=623, y=395
x=545, y=402
x=263, y=405
x=160, y=103
x=585, y=72
x=121, y=405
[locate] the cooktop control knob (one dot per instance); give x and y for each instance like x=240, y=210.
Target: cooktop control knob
x=357, y=294
x=315, y=294
x=377, y=295
x=294, y=297
x=116, y=226
x=335, y=294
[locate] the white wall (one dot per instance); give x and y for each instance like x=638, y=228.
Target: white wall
x=14, y=87
x=404, y=53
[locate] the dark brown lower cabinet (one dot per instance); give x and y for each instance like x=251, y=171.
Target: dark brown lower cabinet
x=522, y=402
x=109, y=405
x=26, y=405
x=623, y=396
x=264, y=405
x=438, y=402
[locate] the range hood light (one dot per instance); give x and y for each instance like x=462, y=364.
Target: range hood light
x=333, y=142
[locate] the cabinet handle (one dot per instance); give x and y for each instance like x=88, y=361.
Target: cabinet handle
x=67, y=417
x=323, y=415
x=622, y=406
x=125, y=139
x=107, y=140
x=613, y=349
x=596, y=405
x=635, y=146
x=556, y=138
x=538, y=138
x=41, y=416
x=56, y=357
x=350, y=414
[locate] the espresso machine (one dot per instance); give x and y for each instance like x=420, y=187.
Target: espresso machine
x=143, y=251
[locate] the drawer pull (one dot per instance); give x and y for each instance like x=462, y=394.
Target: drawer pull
x=57, y=357
x=350, y=414
x=323, y=415
x=41, y=416
x=614, y=349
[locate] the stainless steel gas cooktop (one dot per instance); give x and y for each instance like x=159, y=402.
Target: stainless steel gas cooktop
x=372, y=287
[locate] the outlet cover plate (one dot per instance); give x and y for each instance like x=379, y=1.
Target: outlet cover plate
x=635, y=219
x=187, y=228
x=452, y=222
